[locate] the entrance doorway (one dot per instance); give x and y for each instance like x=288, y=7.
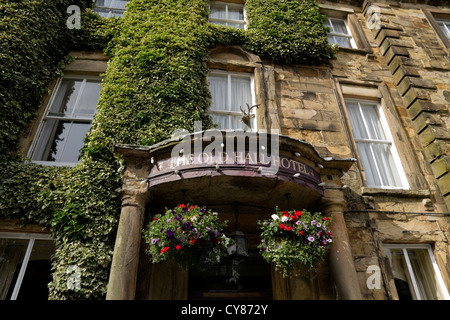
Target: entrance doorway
x=247, y=278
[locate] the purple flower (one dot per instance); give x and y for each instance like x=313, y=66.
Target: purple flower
x=216, y=233
x=311, y=238
x=168, y=220
x=187, y=224
x=313, y=222
x=154, y=241
x=169, y=233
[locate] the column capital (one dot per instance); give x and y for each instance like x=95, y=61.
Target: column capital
x=133, y=197
x=332, y=204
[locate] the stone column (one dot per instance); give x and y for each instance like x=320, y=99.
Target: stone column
x=340, y=254
x=124, y=267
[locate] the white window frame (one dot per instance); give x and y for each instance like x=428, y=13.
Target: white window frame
x=32, y=237
x=446, y=24
x=389, y=140
x=111, y=9
x=45, y=116
x=342, y=35
x=226, y=20
x=404, y=247
x=230, y=74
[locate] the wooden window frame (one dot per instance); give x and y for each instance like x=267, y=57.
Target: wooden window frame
x=379, y=92
x=362, y=45
x=389, y=140
x=31, y=237
x=404, y=247
x=40, y=128
x=111, y=10
x=230, y=74
x=226, y=21
x=433, y=16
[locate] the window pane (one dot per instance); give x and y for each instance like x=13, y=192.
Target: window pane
x=12, y=252
x=241, y=94
x=373, y=122
x=445, y=27
x=38, y=272
x=401, y=275
x=343, y=42
x=356, y=120
x=386, y=165
x=65, y=99
x=414, y=275
x=331, y=39
x=61, y=141
x=109, y=8
x=218, y=12
x=235, y=13
x=218, y=85
x=120, y=4
x=339, y=26
x=424, y=274
x=368, y=162
x=236, y=122
x=101, y=3
x=87, y=103
x=220, y=120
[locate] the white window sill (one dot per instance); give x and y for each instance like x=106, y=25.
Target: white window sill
x=55, y=164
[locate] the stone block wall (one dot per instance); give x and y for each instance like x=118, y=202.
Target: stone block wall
x=409, y=65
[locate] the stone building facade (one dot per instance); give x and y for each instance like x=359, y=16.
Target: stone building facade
x=372, y=123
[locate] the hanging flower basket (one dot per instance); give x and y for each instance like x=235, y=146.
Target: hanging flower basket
x=189, y=235
x=295, y=241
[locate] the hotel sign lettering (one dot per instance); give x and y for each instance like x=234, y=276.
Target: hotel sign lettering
x=237, y=159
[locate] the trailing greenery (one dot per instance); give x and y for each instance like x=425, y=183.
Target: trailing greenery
x=156, y=82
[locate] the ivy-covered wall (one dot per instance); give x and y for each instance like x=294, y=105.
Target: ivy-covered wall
x=156, y=82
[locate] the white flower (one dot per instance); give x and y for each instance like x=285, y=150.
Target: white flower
x=275, y=217
x=284, y=218
x=226, y=240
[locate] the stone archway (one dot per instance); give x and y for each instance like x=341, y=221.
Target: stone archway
x=192, y=168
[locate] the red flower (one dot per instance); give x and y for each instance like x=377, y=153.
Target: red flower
x=298, y=213
x=285, y=213
x=193, y=241
x=288, y=228
x=181, y=206
x=178, y=247
x=165, y=249
x=294, y=218
x=302, y=232
x=282, y=226
x=192, y=207
x=155, y=219
x=326, y=219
